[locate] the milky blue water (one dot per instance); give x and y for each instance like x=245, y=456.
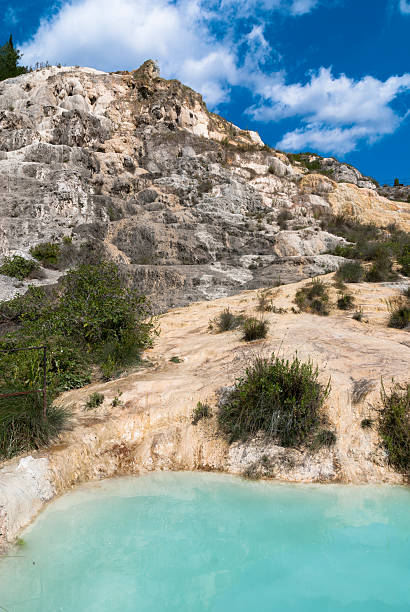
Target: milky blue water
x=194, y=542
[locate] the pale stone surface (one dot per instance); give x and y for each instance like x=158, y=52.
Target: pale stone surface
x=24, y=488
x=369, y=206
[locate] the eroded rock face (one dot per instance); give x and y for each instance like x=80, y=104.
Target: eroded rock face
x=185, y=200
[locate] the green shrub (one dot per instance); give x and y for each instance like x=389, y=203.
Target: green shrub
x=97, y=307
x=345, y=302
x=347, y=251
x=94, y=400
x=314, y=297
x=226, y=321
x=381, y=270
x=370, y=243
x=366, y=423
x=21, y=543
x=314, y=165
x=252, y=471
x=91, y=319
x=23, y=428
x=116, y=401
x=18, y=267
x=47, y=253
x=264, y=303
x=23, y=307
x=176, y=359
x=281, y=398
x=399, y=309
x=201, y=411
x=351, y=229
x=93, y=310
x=255, y=329
x=350, y=272
x=404, y=261
x=394, y=426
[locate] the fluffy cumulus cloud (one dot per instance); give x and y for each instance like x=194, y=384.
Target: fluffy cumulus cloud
x=122, y=34
x=179, y=34
x=336, y=112
x=405, y=6
x=198, y=42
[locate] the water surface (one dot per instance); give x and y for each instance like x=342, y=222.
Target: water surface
x=192, y=542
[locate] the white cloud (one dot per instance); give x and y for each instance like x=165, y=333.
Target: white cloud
x=184, y=36
x=122, y=34
x=300, y=7
x=338, y=111
x=405, y=6
x=243, y=7
x=176, y=33
x=325, y=139
x=10, y=16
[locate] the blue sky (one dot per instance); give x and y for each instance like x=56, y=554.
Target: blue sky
x=330, y=76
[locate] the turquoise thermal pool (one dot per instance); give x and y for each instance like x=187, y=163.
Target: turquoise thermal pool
x=191, y=542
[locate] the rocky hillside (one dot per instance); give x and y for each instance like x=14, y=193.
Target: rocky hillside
x=135, y=168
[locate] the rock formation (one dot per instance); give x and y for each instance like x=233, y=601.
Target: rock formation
x=189, y=204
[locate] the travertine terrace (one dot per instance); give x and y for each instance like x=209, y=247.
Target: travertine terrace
x=152, y=430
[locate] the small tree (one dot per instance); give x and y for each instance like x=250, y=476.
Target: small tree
x=9, y=60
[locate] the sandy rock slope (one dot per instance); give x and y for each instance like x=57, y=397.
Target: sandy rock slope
x=151, y=429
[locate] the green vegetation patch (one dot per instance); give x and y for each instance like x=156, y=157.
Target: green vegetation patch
x=399, y=309
x=94, y=400
x=313, y=165
x=226, y=321
x=382, y=246
x=394, y=426
x=18, y=267
x=314, y=298
x=22, y=426
x=345, y=302
x=47, y=253
x=255, y=329
x=281, y=398
x=366, y=423
x=91, y=322
x=350, y=272
x=9, y=61
x=201, y=411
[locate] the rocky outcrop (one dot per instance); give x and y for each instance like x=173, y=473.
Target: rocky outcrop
x=187, y=202
x=150, y=427
x=399, y=193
